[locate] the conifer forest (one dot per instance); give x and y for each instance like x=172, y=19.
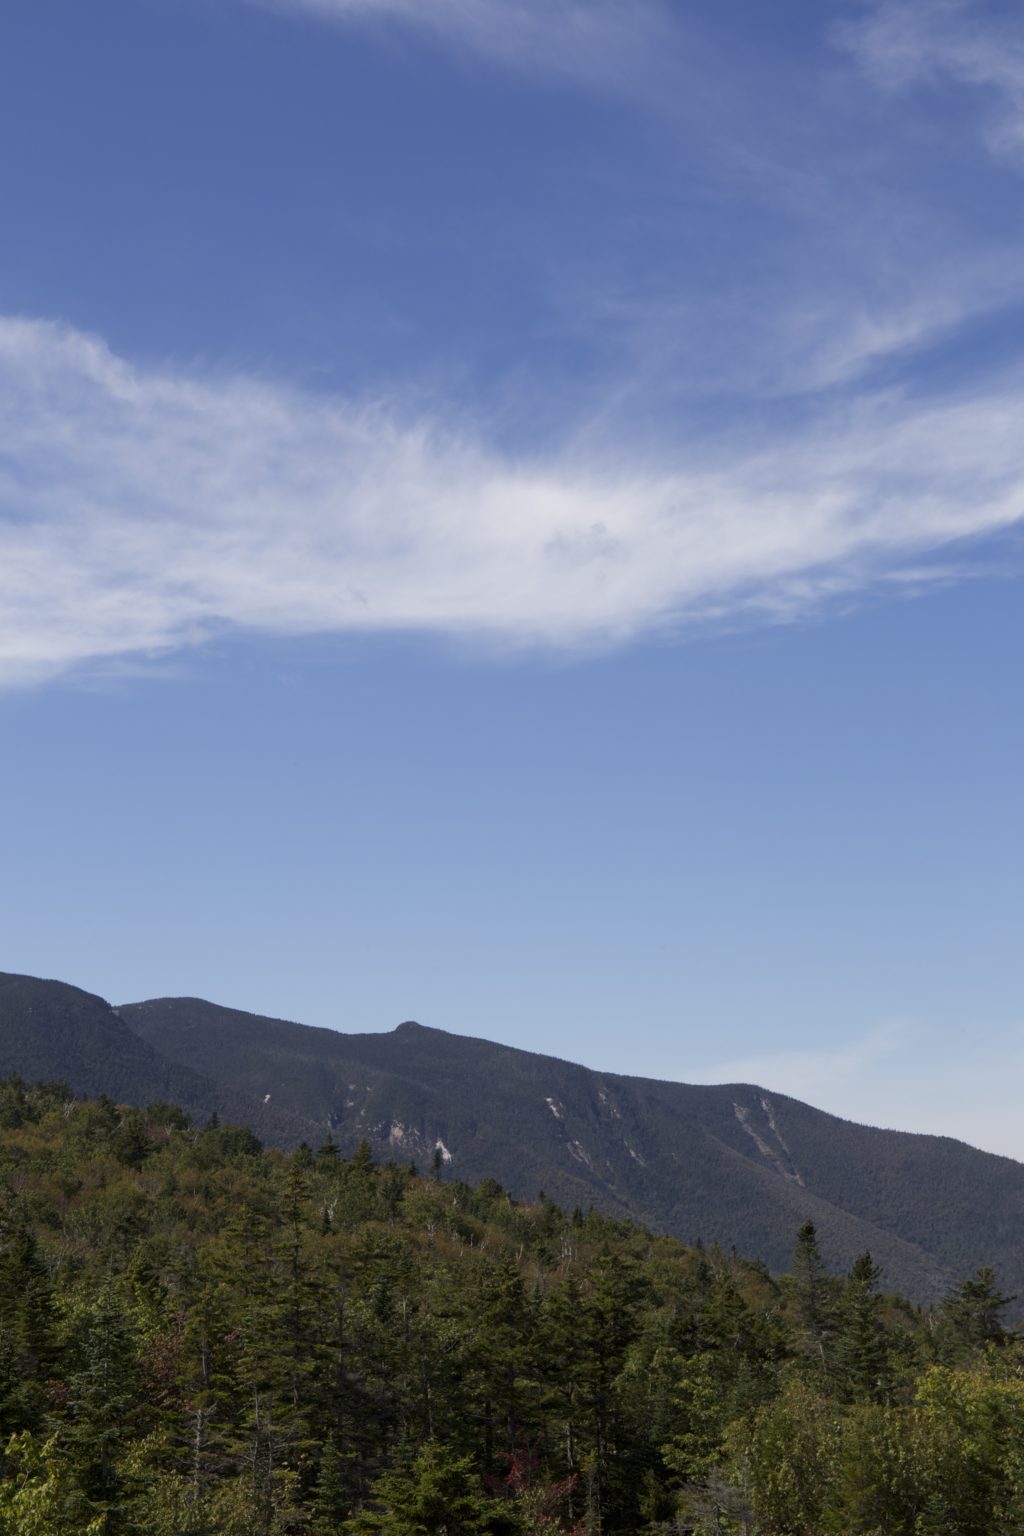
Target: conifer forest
x=200, y=1337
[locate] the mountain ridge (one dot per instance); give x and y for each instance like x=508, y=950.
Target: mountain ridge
x=732, y=1164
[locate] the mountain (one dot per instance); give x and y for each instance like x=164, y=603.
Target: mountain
x=733, y=1165
x=52, y=1032
x=265, y=1343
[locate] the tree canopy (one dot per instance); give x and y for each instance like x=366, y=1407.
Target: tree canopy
x=201, y=1336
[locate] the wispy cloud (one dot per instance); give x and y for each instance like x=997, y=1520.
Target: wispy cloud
x=616, y=45
x=867, y=271
x=903, y=1076
x=142, y=511
x=813, y=1075
x=904, y=42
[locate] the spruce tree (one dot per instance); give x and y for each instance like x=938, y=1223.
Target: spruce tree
x=972, y=1314
x=106, y=1412
x=331, y=1501
x=815, y=1307
x=27, y=1341
x=437, y=1494
x=862, y=1352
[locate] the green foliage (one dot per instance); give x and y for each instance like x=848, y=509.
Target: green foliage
x=33, y=1493
x=436, y=1494
x=934, y=1207
x=105, y=1407
x=816, y=1300
x=973, y=1316
x=27, y=1342
x=791, y=1454
x=200, y=1337
x=862, y=1347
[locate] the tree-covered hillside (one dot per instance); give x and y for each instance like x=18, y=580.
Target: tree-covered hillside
x=199, y=1337
x=730, y=1163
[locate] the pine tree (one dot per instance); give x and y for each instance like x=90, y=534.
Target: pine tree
x=815, y=1303
x=105, y=1408
x=498, y=1348
x=973, y=1314
x=27, y=1342
x=331, y=1501
x=437, y=1494
x=862, y=1352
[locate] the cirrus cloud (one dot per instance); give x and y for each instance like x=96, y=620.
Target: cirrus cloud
x=901, y=43
x=144, y=510
x=614, y=45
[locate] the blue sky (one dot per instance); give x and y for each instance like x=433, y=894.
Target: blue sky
x=510, y=515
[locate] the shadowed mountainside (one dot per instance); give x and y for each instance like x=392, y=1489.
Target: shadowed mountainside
x=51, y=1032
x=730, y=1164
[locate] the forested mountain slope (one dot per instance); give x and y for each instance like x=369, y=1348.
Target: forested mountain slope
x=733, y=1165
x=50, y=1031
x=202, y=1338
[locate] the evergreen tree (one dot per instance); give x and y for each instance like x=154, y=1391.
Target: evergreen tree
x=862, y=1351
x=188, y=1348
x=815, y=1302
x=27, y=1342
x=105, y=1408
x=331, y=1500
x=437, y=1494
x=972, y=1314
x=497, y=1356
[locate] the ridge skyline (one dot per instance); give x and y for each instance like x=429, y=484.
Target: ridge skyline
x=734, y=1164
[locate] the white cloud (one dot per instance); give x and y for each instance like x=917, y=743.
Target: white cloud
x=904, y=42
x=616, y=45
x=142, y=511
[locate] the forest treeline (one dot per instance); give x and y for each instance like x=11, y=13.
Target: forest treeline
x=200, y=1337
